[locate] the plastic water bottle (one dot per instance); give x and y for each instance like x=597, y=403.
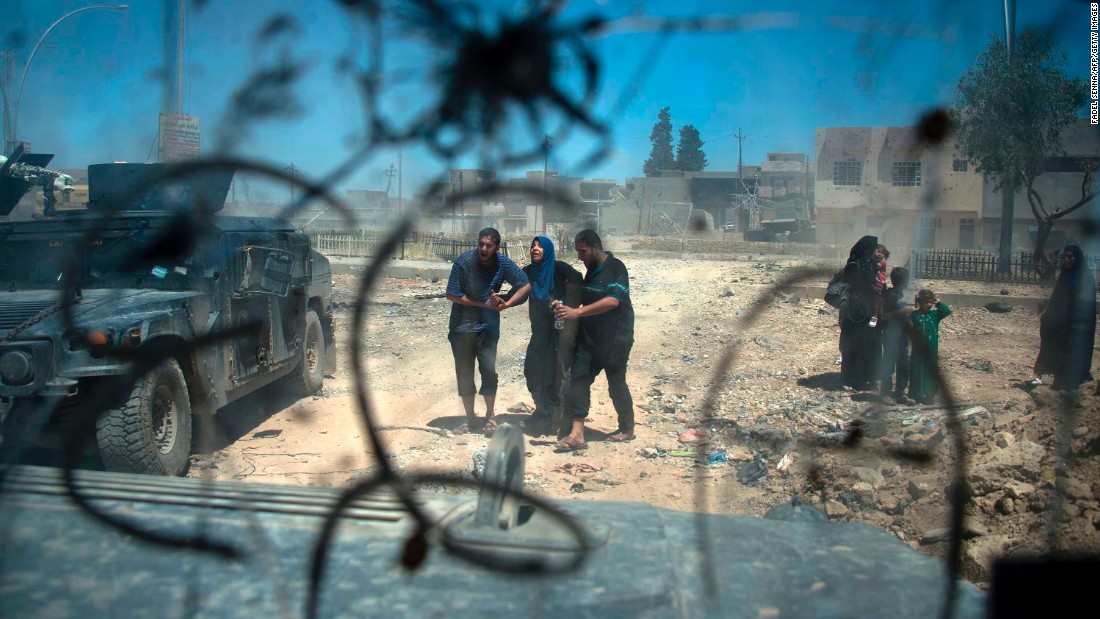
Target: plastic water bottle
x=558, y=322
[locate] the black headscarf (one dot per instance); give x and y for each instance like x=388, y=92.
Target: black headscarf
x=1074, y=281
x=860, y=272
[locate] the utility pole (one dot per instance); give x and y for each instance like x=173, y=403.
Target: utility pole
x=389, y=173
x=1008, y=196
x=293, y=171
x=740, y=177
x=740, y=138
x=545, y=161
x=7, y=75
x=400, y=199
x=179, y=57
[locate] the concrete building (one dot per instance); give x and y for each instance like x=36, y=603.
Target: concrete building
x=880, y=181
x=1059, y=185
x=783, y=175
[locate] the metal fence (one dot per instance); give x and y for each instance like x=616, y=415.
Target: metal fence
x=976, y=265
x=366, y=243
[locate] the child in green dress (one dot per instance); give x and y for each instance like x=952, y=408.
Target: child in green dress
x=925, y=323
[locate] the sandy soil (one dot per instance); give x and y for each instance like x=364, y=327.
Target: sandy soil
x=779, y=404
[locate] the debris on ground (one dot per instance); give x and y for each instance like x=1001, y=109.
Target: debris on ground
x=574, y=468
x=693, y=436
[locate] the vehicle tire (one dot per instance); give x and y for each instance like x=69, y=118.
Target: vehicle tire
x=150, y=433
x=309, y=376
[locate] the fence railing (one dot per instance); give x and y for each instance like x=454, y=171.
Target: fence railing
x=366, y=243
x=977, y=265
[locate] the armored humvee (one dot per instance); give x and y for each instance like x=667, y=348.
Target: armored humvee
x=139, y=273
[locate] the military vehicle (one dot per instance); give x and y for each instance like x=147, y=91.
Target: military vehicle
x=143, y=271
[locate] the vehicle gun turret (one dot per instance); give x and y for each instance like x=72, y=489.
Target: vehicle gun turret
x=22, y=171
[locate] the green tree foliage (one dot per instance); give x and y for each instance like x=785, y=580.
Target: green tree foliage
x=689, y=151
x=1010, y=119
x=660, y=156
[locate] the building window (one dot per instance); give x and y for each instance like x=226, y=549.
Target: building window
x=926, y=234
x=959, y=165
x=966, y=234
x=906, y=174
x=848, y=173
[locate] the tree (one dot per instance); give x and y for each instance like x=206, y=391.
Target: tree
x=689, y=152
x=1010, y=118
x=660, y=156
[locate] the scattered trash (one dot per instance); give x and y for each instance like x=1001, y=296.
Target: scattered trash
x=478, y=457
x=574, y=468
x=981, y=365
x=998, y=308
x=717, y=457
x=682, y=453
x=267, y=434
x=694, y=437
x=521, y=408
x=738, y=453
x=577, y=487
x=652, y=452
x=784, y=462
x=975, y=411
x=752, y=472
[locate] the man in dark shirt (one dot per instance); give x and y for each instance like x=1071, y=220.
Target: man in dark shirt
x=607, y=335
x=476, y=278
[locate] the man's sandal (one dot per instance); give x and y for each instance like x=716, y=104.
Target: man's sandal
x=565, y=445
x=466, y=426
x=621, y=437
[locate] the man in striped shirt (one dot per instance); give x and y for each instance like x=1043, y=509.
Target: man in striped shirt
x=606, y=337
x=476, y=278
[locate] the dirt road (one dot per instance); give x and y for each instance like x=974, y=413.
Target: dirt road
x=779, y=404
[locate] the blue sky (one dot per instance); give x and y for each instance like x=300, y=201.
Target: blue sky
x=96, y=85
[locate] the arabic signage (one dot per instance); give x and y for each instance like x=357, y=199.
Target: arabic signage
x=179, y=137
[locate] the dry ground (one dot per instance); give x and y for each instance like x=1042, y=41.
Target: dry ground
x=779, y=403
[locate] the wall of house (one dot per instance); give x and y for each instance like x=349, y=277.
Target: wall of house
x=897, y=214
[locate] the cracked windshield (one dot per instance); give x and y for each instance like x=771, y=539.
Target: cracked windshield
x=795, y=305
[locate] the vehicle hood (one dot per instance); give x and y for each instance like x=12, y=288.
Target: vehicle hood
x=644, y=561
x=36, y=313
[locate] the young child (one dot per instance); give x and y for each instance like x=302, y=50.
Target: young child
x=895, y=343
x=925, y=322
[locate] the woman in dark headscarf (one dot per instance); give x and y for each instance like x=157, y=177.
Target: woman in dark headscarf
x=550, y=351
x=859, y=342
x=1067, y=328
